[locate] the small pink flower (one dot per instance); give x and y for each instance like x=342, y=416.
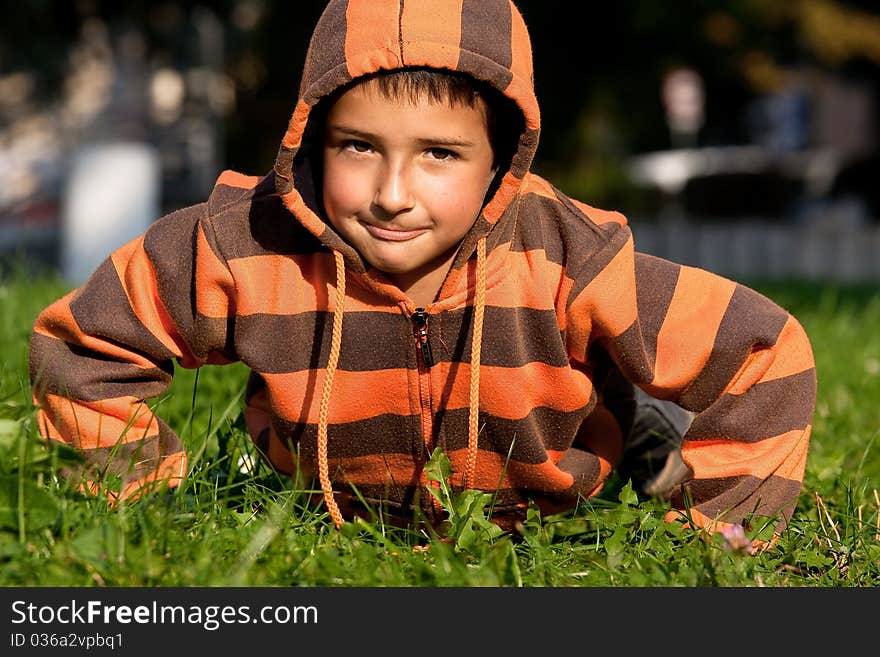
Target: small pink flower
x=735, y=539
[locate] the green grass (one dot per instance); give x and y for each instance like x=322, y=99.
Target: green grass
x=225, y=528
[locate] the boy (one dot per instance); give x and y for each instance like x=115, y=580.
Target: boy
x=401, y=282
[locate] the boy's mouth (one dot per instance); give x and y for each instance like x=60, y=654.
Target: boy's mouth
x=392, y=234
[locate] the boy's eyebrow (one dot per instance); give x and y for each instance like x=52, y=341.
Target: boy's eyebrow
x=427, y=141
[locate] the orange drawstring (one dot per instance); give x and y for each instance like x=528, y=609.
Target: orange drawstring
x=324, y=410
x=333, y=361
x=476, y=343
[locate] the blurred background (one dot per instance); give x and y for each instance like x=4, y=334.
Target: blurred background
x=737, y=135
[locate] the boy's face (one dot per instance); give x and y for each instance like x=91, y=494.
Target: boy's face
x=404, y=180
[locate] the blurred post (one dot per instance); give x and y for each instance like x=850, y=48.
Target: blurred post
x=112, y=195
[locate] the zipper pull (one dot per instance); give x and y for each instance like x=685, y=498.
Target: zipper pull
x=420, y=325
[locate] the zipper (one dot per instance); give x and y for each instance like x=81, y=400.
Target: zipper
x=420, y=326
x=425, y=359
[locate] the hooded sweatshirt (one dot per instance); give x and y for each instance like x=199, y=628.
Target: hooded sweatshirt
x=353, y=384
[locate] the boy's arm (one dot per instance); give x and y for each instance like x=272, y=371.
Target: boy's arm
x=98, y=352
x=718, y=348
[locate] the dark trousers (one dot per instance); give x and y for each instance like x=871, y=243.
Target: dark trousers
x=653, y=430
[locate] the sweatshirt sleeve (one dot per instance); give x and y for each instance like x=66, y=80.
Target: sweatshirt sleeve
x=739, y=361
x=100, y=351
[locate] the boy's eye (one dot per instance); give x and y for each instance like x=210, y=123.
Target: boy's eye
x=357, y=145
x=441, y=154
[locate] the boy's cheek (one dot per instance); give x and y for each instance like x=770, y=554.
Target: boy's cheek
x=341, y=193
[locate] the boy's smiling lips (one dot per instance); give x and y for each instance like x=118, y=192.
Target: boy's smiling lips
x=392, y=234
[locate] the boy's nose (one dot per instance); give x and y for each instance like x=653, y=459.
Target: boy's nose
x=393, y=191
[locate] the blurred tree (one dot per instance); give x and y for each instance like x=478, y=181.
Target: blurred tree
x=598, y=69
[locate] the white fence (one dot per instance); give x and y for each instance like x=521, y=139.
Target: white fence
x=758, y=249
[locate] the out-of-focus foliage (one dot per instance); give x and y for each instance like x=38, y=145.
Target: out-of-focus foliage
x=598, y=73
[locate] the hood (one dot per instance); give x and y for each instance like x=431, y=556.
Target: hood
x=486, y=39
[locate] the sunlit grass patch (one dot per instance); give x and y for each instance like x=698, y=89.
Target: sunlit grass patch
x=230, y=525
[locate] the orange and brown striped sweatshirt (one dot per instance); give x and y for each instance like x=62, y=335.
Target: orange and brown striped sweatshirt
x=350, y=382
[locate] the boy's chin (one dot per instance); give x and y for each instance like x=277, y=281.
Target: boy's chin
x=395, y=271
x=404, y=276
x=402, y=267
